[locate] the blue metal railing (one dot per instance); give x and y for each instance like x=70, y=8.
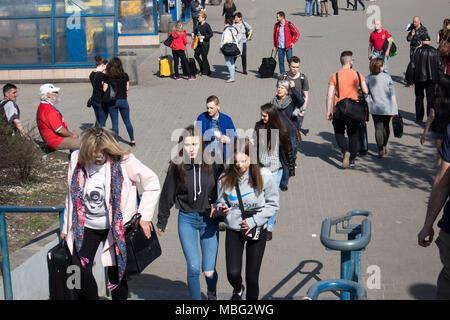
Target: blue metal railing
x=7, y=286
x=358, y=291
x=358, y=237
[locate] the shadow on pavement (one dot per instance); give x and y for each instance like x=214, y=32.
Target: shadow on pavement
x=151, y=287
x=311, y=272
x=423, y=291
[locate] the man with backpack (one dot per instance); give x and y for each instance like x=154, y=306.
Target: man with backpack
x=285, y=35
x=376, y=42
x=301, y=84
x=9, y=110
x=345, y=84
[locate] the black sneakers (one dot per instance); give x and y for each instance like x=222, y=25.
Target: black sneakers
x=238, y=295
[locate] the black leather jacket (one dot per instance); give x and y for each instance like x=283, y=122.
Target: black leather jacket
x=427, y=64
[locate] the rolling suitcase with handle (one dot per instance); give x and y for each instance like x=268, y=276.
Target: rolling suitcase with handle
x=58, y=260
x=268, y=66
x=192, y=66
x=165, y=65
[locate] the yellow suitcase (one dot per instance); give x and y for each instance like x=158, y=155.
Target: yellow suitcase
x=165, y=66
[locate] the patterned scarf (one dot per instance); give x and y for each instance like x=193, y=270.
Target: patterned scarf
x=79, y=210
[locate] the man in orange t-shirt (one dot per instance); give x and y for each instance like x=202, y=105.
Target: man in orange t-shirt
x=348, y=88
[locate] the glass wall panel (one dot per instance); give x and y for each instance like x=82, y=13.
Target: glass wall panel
x=84, y=7
x=25, y=8
x=80, y=42
x=136, y=17
x=25, y=41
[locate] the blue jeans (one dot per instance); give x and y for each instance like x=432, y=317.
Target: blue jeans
x=315, y=7
x=101, y=113
x=190, y=225
x=230, y=65
x=308, y=7
x=121, y=105
x=281, y=53
x=277, y=176
x=380, y=54
x=285, y=177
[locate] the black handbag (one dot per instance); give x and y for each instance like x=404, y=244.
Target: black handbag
x=397, y=125
x=109, y=95
x=351, y=110
x=255, y=232
x=230, y=50
x=140, y=250
x=89, y=102
x=168, y=41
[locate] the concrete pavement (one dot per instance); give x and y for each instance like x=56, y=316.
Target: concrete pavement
x=395, y=189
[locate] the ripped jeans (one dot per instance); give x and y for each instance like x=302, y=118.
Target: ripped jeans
x=190, y=226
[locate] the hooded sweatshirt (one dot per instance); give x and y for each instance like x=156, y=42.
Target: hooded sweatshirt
x=196, y=195
x=265, y=204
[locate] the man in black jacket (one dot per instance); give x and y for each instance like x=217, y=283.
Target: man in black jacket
x=427, y=65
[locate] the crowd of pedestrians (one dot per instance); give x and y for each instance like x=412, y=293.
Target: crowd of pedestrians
x=218, y=176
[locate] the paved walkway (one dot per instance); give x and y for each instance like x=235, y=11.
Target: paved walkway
x=395, y=189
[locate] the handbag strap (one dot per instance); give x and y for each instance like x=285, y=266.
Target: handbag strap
x=238, y=193
x=337, y=85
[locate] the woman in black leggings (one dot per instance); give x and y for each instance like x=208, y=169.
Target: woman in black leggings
x=260, y=200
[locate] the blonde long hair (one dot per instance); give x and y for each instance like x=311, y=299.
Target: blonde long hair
x=178, y=27
x=97, y=139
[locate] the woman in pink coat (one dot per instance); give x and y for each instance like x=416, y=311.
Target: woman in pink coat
x=102, y=181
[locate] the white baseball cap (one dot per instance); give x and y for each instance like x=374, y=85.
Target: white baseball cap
x=47, y=88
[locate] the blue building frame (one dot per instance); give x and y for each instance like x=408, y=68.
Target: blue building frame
x=65, y=65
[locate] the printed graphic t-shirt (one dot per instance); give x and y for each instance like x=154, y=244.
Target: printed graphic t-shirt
x=94, y=198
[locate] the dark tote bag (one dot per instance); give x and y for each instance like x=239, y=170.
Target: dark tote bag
x=140, y=250
x=351, y=110
x=397, y=125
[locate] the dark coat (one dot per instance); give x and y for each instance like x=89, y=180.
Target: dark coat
x=427, y=64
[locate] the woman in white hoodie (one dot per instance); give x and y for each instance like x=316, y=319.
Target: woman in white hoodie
x=230, y=35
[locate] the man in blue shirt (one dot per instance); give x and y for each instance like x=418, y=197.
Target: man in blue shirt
x=217, y=128
x=196, y=8
x=439, y=194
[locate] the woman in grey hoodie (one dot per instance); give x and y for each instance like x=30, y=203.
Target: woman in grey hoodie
x=259, y=196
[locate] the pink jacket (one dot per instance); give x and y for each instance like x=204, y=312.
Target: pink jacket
x=134, y=172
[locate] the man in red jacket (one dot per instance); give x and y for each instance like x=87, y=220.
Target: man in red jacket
x=285, y=35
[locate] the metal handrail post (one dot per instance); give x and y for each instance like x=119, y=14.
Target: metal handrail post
x=6, y=270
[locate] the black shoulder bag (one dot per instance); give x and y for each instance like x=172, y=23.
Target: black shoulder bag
x=351, y=110
x=140, y=250
x=255, y=232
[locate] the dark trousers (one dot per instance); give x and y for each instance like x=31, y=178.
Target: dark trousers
x=201, y=55
x=382, y=131
x=234, y=248
x=349, y=4
x=420, y=88
x=89, y=289
x=195, y=25
x=122, y=106
x=243, y=56
x=177, y=56
x=355, y=5
x=334, y=4
x=340, y=126
x=101, y=113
